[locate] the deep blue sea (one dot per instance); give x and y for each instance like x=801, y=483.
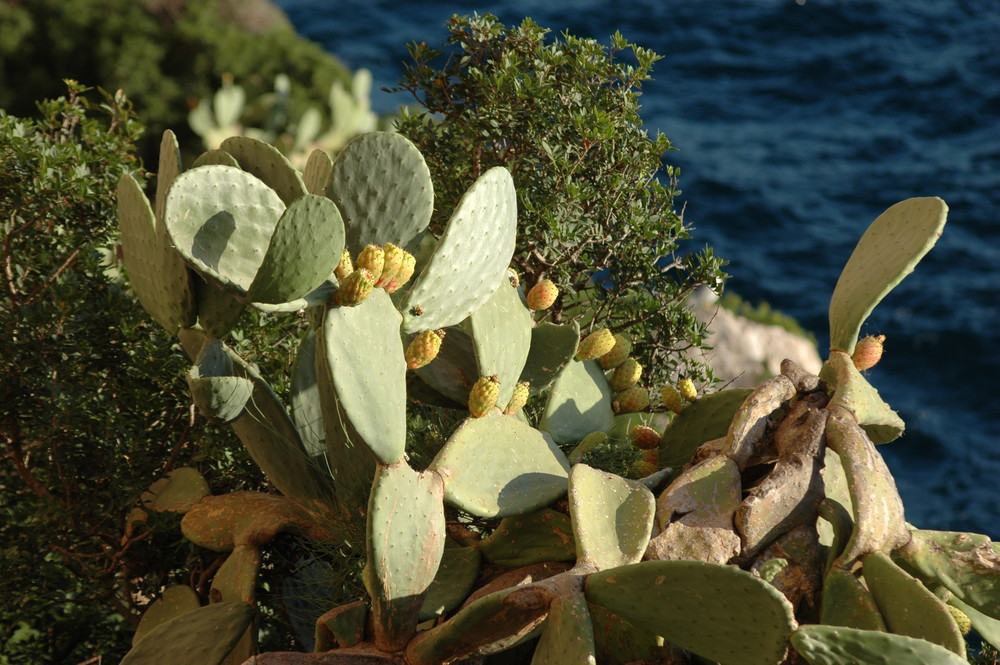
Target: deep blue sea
x=796, y=124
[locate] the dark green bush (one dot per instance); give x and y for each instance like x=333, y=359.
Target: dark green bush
x=93, y=404
x=563, y=116
x=166, y=54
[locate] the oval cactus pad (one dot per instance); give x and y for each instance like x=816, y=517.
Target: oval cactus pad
x=221, y=220
x=383, y=187
x=887, y=252
x=498, y=466
x=471, y=258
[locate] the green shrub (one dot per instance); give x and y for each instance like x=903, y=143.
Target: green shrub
x=563, y=116
x=167, y=54
x=93, y=404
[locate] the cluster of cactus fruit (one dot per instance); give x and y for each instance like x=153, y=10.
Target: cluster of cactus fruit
x=768, y=529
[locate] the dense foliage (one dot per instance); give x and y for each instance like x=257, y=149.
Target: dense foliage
x=93, y=406
x=166, y=53
x=563, y=117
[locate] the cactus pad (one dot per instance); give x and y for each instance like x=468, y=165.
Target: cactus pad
x=267, y=163
x=181, y=489
x=501, y=333
x=471, y=257
x=204, y=636
x=705, y=420
x=567, y=635
x=579, y=403
x=753, y=631
x=497, y=466
x=612, y=517
x=835, y=645
x=176, y=600
x=521, y=540
x=405, y=536
x=887, y=252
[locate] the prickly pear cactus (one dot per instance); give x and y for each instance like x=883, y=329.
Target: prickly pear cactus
x=768, y=531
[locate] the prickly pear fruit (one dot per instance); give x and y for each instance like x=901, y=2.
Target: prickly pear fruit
x=962, y=619
x=483, y=395
x=406, y=268
x=595, y=345
x=542, y=295
x=372, y=258
x=868, y=351
x=651, y=456
x=355, y=288
x=424, y=348
x=687, y=390
x=518, y=399
x=644, y=437
x=587, y=444
x=392, y=261
x=672, y=398
x=641, y=468
x=344, y=268
x=618, y=353
x=630, y=400
x=626, y=375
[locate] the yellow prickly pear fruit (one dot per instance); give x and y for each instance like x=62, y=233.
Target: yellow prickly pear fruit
x=962, y=619
x=641, y=468
x=518, y=399
x=631, y=400
x=344, y=268
x=392, y=261
x=626, y=375
x=868, y=352
x=595, y=345
x=651, y=456
x=542, y=295
x=687, y=390
x=355, y=288
x=618, y=353
x=372, y=258
x=644, y=437
x=424, y=348
x=671, y=398
x=406, y=267
x=483, y=395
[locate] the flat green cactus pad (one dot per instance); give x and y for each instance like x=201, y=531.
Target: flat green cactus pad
x=501, y=333
x=617, y=642
x=966, y=564
x=690, y=603
x=204, y=636
x=567, y=635
x=579, y=403
x=908, y=607
x=317, y=171
x=219, y=310
x=157, y=273
x=267, y=163
x=471, y=258
x=835, y=645
x=521, y=540
x=405, y=543
x=847, y=602
x=887, y=252
x=455, y=369
x=704, y=420
x=305, y=247
x=221, y=219
x=383, y=187
x=175, y=601
x=452, y=583
x=220, y=397
x=552, y=348
x=853, y=392
x=497, y=466
x=305, y=406
x=612, y=517
x=363, y=356
x=218, y=157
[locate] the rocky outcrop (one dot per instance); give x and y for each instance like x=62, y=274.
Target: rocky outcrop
x=745, y=352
